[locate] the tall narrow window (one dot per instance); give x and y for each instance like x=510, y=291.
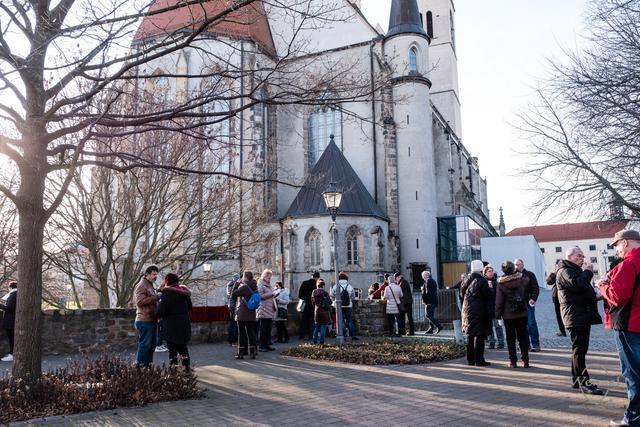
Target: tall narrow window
x=354, y=246
x=313, y=249
x=323, y=123
x=453, y=30
x=413, y=60
x=421, y=21
x=430, y=24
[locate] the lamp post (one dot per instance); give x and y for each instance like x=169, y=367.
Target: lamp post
x=332, y=198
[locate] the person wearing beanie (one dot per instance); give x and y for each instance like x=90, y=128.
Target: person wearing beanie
x=476, y=319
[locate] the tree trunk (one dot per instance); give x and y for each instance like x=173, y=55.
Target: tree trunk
x=28, y=330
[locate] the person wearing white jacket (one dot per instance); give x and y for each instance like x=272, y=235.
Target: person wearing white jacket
x=343, y=294
x=266, y=311
x=392, y=295
x=282, y=299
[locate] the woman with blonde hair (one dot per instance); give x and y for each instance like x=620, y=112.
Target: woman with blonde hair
x=266, y=311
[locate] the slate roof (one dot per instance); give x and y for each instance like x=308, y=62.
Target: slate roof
x=575, y=231
x=404, y=18
x=334, y=167
x=249, y=22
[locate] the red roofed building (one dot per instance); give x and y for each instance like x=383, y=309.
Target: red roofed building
x=591, y=237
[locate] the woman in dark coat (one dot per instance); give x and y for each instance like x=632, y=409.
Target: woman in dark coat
x=247, y=320
x=322, y=303
x=173, y=310
x=476, y=316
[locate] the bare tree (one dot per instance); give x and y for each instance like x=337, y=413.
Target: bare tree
x=585, y=128
x=70, y=76
x=8, y=240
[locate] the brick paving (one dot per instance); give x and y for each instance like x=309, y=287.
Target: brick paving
x=275, y=390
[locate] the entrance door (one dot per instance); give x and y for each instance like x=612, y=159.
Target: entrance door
x=416, y=276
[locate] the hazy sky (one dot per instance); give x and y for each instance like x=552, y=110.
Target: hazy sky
x=503, y=48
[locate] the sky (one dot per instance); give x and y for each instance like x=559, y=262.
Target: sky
x=503, y=48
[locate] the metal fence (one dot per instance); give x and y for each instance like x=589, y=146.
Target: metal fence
x=448, y=309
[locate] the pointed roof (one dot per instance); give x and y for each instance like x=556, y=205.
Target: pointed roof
x=405, y=18
x=249, y=22
x=334, y=167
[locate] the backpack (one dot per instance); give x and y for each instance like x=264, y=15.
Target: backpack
x=254, y=302
x=345, y=298
x=326, y=303
x=516, y=302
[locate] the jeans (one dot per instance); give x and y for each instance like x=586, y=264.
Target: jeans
x=556, y=305
x=174, y=350
x=247, y=338
x=431, y=315
x=580, y=346
x=517, y=329
x=532, y=326
x=348, y=320
x=628, y=344
x=232, y=332
x=475, y=349
x=319, y=332
x=264, y=336
x=147, y=334
x=497, y=334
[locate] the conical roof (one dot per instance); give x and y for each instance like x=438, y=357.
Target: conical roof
x=405, y=18
x=334, y=167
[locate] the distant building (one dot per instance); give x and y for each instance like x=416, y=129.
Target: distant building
x=592, y=237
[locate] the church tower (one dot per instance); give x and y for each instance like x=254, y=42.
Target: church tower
x=406, y=48
x=438, y=20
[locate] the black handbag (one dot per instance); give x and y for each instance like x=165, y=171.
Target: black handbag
x=283, y=313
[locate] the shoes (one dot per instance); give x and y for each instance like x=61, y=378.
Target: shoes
x=253, y=356
x=271, y=348
x=429, y=332
x=238, y=356
x=471, y=363
x=620, y=423
x=410, y=334
x=354, y=338
x=315, y=342
x=263, y=350
x=500, y=347
x=590, y=388
x=513, y=364
x=624, y=422
x=161, y=349
x=436, y=330
x=492, y=346
x=7, y=358
x=535, y=350
x=561, y=334
x=483, y=363
x=526, y=364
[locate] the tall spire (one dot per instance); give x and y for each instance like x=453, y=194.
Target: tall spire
x=502, y=229
x=405, y=18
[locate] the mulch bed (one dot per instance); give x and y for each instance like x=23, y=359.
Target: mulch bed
x=381, y=352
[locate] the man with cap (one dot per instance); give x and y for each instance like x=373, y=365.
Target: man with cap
x=232, y=333
x=622, y=313
x=306, y=316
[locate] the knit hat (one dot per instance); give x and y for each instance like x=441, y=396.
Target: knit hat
x=476, y=266
x=236, y=277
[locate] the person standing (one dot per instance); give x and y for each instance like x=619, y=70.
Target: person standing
x=578, y=303
x=430, y=300
x=551, y=282
x=321, y=302
x=232, y=331
x=282, y=300
x=489, y=273
x=380, y=291
x=393, y=295
x=476, y=319
x=407, y=300
x=372, y=290
x=511, y=306
x=145, y=299
x=622, y=313
x=173, y=311
x=247, y=322
x=532, y=325
x=342, y=295
x=8, y=305
x=266, y=311
x=306, y=316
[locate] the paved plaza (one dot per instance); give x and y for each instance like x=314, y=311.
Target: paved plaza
x=280, y=391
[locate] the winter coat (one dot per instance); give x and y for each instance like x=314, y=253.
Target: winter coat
x=476, y=306
x=407, y=293
x=9, y=308
x=578, y=300
x=306, y=288
x=511, y=297
x=378, y=294
x=493, y=285
x=430, y=292
x=336, y=296
x=551, y=282
x=267, y=308
x=533, y=282
x=320, y=316
x=282, y=300
x=173, y=310
x=617, y=292
x=231, y=302
x=242, y=295
x=393, y=295
x=145, y=299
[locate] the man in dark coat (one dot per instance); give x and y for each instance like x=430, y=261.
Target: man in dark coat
x=9, y=318
x=407, y=300
x=477, y=312
x=173, y=310
x=306, y=317
x=532, y=325
x=551, y=282
x=232, y=332
x=578, y=303
x=430, y=300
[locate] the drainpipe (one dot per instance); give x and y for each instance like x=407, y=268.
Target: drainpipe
x=373, y=124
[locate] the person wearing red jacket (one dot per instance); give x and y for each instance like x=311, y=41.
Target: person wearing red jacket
x=622, y=313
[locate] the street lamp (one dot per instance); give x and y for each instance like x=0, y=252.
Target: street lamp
x=332, y=198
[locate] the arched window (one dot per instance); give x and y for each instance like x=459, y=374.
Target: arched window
x=161, y=88
x=453, y=30
x=354, y=246
x=323, y=123
x=380, y=248
x=430, y=24
x=313, y=249
x=413, y=60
